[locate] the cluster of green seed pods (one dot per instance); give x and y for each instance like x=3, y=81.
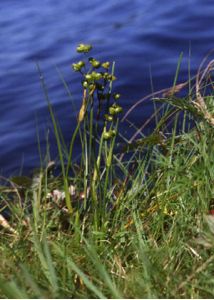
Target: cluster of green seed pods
x=78, y=66
x=96, y=77
x=107, y=135
x=83, y=48
x=115, y=109
x=108, y=118
x=116, y=96
x=91, y=75
x=106, y=65
x=95, y=63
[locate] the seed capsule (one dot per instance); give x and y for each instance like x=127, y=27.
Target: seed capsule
x=118, y=109
x=107, y=135
x=85, y=84
x=105, y=75
x=81, y=64
x=76, y=67
x=97, y=76
x=113, y=132
x=106, y=65
x=115, y=109
x=84, y=48
x=108, y=118
x=116, y=96
x=88, y=77
x=95, y=64
x=111, y=77
x=112, y=110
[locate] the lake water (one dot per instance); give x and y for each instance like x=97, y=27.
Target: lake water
x=144, y=37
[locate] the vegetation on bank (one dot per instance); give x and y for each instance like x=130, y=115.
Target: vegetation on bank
x=130, y=223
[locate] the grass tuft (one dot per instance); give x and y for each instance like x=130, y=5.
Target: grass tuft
x=134, y=223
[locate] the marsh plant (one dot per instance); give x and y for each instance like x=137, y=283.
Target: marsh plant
x=98, y=102
x=111, y=225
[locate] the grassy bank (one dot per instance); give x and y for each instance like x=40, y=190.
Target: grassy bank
x=134, y=223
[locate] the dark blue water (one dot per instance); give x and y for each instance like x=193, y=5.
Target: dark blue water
x=144, y=37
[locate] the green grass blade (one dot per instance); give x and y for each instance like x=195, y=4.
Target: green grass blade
x=81, y=274
x=12, y=290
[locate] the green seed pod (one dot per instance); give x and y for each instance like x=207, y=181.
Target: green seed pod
x=115, y=109
x=116, y=96
x=112, y=110
x=107, y=135
x=106, y=75
x=111, y=77
x=98, y=76
x=81, y=64
x=108, y=118
x=106, y=65
x=84, y=48
x=118, y=109
x=113, y=132
x=76, y=67
x=89, y=77
x=95, y=64
x=85, y=84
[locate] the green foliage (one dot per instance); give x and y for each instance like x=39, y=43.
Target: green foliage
x=112, y=226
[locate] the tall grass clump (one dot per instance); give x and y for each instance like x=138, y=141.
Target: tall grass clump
x=134, y=223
